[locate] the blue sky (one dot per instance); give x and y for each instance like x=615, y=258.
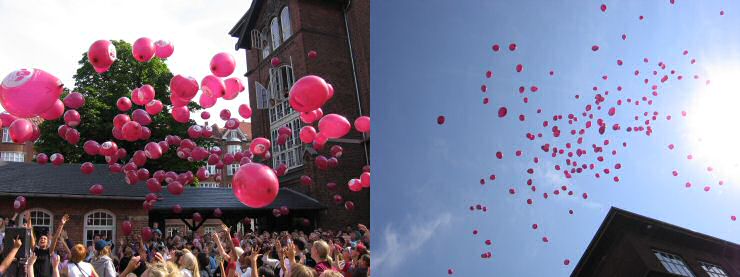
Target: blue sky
x=430, y=58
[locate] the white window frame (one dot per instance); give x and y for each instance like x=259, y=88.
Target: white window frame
x=13, y=156
x=169, y=231
x=208, y=185
x=285, y=23
x=212, y=170
x=673, y=263
x=88, y=227
x=291, y=154
x=209, y=229
x=263, y=96
x=713, y=270
x=275, y=33
x=265, y=41
x=6, y=135
x=256, y=37
x=35, y=218
x=234, y=148
x=231, y=169
x=282, y=79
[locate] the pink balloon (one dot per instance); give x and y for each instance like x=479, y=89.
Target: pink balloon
x=146, y=233
x=207, y=132
x=175, y=188
x=87, y=168
x=74, y=100
x=255, y=185
x=181, y=114
x=223, y=64
x=355, y=185
x=41, y=158
x=142, y=174
x=57, y=159
x=91, y=147
x=96, y=189
x=153, y=150
x=120, y=120
x=154, y=107
x=307, y=134
x=206, y=102
x=260, y=146
x=225, y=114
x=310, y=117
x=29, y=92
x=127, y=228
x=177, y=209
x=123, y=104
x=54, y=112
x=336, y=151
x=101, y=55
x=36, y=134
x=362, y=124
x=195, y=131
x=7, y=119
x=202, y=173
x=365, y=179
x=115, y=167
x=178, y=102
x=142, y=117
x=308, y=93
x=183, y=87
x=233, y=87
x=217, y=212
x=72, y=118
x=21, y=130
x=338, y=199
x=312, y=54
x=349, y=205
x=245, y=111
x=108, y=148
x=131, y=131
x=154, y=185
x=228, y=158
x=205, y=115
x=321, y=162
x=331, y=91
x=139, y=159
x=197, y=217
x=334, y=126
x=212, y=86
x=163, y=49
x=232, y=124
x=143, y=49
x=72, y=136
x=143, y=95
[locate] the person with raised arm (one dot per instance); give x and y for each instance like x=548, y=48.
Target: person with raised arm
x=17, y=243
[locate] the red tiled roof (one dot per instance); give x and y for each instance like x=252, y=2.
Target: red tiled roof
x=246, y=128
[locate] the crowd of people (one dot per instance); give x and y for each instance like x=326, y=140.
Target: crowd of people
x=223, y=253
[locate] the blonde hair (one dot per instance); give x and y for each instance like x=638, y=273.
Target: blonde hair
x=163, y=270
x=78, y=253
x=322, y=248
x=299, y=270
x=191, y=263
x=103, y=252
x=331, y=273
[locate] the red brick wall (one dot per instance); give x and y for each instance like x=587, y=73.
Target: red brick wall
x=77, y=208
x=319, y=26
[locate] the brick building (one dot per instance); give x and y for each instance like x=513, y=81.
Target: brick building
x=629, y=244
x=15, y=152
x=339, y=32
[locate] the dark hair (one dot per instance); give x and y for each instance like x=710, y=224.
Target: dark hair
x=366, y=258
x=266, y=271
x=300, y=243
x=203, y=260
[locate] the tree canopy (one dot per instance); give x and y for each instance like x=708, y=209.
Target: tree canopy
x=101, y=92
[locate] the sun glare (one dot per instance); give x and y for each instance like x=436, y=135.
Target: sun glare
x=714, y=121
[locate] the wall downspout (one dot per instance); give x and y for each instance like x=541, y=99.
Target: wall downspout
x=354, y=76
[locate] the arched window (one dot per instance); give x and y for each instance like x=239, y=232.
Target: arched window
x=40, y=218
x=285, y=23
x=266, y=49
x=275, y=32
x=99, y=223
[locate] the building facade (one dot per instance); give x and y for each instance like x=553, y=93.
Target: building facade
x=338, y=31
x=629, y=244
x=15, y=152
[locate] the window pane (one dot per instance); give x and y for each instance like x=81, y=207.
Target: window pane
x=673, y=264
x=285, y=23
x=275, y=31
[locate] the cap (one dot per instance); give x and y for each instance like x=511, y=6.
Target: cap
x=101, y=244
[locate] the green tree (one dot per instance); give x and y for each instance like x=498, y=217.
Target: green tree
x=101, y=92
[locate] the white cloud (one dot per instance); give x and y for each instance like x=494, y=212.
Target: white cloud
x=52, y=35
x=398, y=245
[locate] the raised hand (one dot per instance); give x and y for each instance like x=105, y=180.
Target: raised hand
x=55, y=260
x=17, y=243
x=65, y=218
x=134, y=262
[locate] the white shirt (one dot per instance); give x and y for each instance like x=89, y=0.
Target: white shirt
x=186, y=272
x=73, y=270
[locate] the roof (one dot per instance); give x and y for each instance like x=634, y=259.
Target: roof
x=223, y=198
x=66, y=181
x=618, y=221
x=242, y=27
x=246, y=128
